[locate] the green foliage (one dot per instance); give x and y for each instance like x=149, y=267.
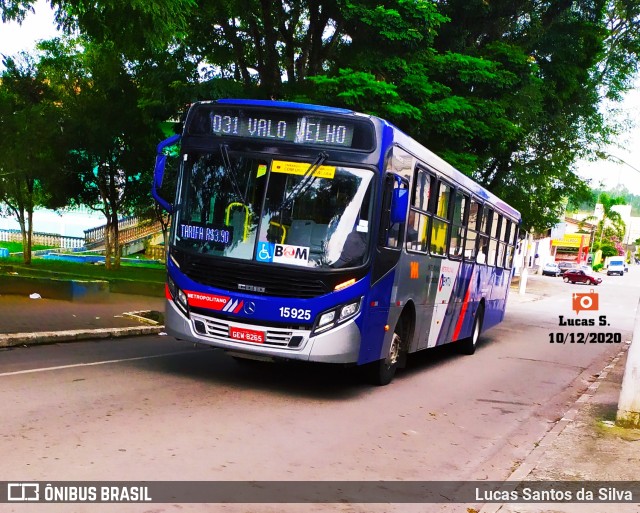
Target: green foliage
x=109, y=136
x=598, y=267
x=17, y=247
x=608, y=249
x=30, y=143
x=588, y=204
x=15, y=9
x=361, y=91
x=507, y=91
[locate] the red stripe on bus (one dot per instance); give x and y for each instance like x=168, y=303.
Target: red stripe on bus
x=465, y=303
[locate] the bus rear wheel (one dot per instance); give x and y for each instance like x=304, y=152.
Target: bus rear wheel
x=381, y=373
x=468, y=345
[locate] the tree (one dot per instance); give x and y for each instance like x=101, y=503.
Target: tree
x=611, y=218
x=256, y=42
x=507, y=91
x=30, y=143
x=110, y=139
x=610, y=227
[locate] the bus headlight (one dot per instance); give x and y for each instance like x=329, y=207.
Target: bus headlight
x=177, y=294
x=332, y=318
x=326, y=320
x=349, y=311
x=182, y=300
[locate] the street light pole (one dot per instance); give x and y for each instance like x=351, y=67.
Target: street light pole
x=619, y=159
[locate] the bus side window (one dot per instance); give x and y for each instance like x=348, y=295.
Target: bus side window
x=484, y=226
x=502, y=247
x=390, y=233
x=460, y=203
x=440, y=221
x=419, y=212
x=493, y=242
x=509, y=240
x=475, y=209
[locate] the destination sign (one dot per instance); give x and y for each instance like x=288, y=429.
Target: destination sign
x=282, y=126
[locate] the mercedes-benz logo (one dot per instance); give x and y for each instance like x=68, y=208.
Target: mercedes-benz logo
x=249, y=308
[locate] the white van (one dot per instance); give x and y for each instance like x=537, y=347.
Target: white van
x=616, y=265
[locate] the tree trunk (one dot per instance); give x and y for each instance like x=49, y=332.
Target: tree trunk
x=117, y=250
x=23, y=232
x=27, y=248
x=107, y=244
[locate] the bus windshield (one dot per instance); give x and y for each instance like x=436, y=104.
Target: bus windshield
x=273, y=211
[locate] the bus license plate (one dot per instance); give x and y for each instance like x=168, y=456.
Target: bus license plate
x=246, y=335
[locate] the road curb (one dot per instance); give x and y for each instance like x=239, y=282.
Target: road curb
x=52, y=337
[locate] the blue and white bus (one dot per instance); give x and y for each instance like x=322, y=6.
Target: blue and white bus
x=303, y=232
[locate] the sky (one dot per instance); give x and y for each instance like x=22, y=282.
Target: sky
x=36, y=26
x=622, y=168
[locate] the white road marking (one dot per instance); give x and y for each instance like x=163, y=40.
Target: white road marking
x=104, y=362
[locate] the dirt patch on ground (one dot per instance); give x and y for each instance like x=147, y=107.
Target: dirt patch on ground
x=152, y=317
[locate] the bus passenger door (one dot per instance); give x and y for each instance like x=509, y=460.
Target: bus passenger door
x=387, y=255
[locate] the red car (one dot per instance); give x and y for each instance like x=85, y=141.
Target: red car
x=580, y=276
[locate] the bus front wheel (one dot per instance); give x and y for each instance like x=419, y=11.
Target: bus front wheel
x=468, y=345
x=383, y=371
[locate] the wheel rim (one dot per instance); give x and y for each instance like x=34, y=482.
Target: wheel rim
x=476, y=332
x=394, y=351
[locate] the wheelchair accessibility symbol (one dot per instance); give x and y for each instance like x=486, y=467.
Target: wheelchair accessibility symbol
x=265, y=252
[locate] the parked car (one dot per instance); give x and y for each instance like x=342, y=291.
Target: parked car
x=551, y=269
x=565, y=266
x=580, y=276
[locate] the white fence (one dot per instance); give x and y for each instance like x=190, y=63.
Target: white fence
x=46, y=239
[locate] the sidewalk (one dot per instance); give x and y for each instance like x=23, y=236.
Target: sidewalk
x=28, y=321
x=585, y=445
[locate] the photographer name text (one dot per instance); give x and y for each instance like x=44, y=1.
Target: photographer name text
x=603, y=494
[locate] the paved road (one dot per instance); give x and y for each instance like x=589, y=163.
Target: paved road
x=157, y=409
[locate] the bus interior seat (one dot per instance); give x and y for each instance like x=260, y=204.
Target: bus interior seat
x=237, y=223
x=307, y=233
x=299, y=234
x=318, y=236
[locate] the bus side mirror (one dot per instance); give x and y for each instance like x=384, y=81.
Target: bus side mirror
x=158, y=172
x=399, y=205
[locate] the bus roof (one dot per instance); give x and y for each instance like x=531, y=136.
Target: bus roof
x=285, y=105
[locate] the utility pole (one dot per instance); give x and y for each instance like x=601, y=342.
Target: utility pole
x=524, y=270
x=629, y=402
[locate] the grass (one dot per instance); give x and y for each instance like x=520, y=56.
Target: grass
x=16, y=247
x=151, y=272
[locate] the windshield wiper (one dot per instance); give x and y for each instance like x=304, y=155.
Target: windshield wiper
x=306, y=182
x=226, y=164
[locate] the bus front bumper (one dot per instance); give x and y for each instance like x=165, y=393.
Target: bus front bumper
x=339, y=345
